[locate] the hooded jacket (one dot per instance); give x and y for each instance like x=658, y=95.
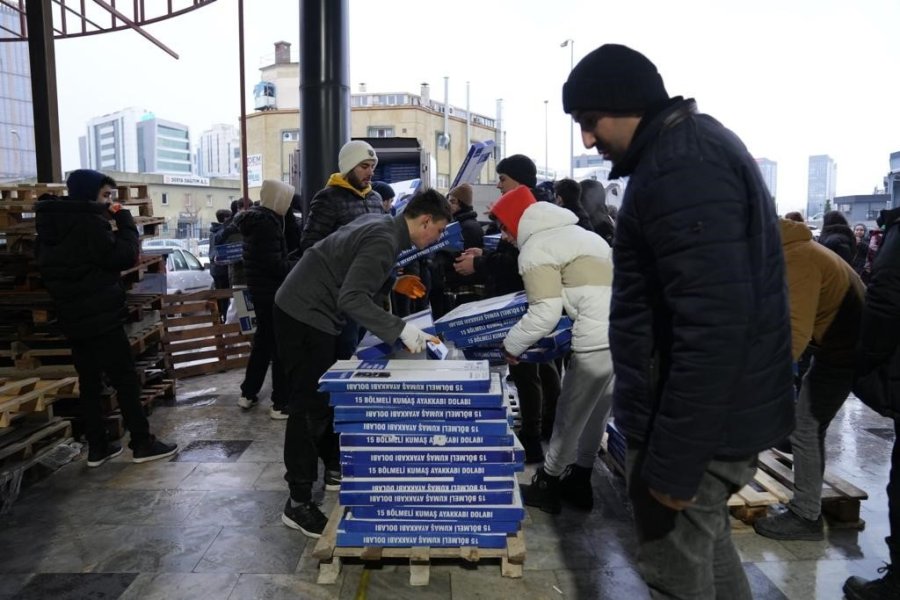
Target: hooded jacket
x=840, y=240
x=699, y=321
x=271, y=237
x=334, y=206
x=81, y=258
x=826, y=297
x=564, y=267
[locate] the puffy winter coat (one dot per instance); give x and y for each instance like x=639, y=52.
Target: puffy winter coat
x=699, y=321
x=564, y=267
x=81, y=258
x=840, y=240
x=335, y=206
x=271, y=238
x=826, y=298
x=880, y=332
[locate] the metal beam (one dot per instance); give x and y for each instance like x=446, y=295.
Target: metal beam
x=135, y=26
x=43, y=90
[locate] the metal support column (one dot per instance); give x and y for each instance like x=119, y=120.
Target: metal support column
x=324, y=91
x=43, y=90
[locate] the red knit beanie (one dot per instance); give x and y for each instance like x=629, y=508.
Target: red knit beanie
x=509, y=208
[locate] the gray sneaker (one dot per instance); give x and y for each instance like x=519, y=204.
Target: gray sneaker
x=789, y=526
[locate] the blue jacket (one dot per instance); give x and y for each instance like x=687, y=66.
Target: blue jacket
x=699, y=320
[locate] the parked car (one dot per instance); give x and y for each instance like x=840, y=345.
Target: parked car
x=203, y=253
x=160, y=243
x=184, y=272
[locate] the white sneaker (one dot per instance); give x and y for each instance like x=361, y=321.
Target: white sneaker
x=277, y=414
x=247, y=403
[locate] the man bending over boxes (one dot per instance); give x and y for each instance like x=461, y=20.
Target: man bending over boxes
x=338, y=276
x=564, y=267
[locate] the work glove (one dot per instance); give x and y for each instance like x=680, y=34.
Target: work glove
x=414, y=338
x=410, y=286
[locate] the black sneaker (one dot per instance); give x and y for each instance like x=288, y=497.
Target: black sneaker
x=307, y=518
x=575, y=487
x=99, y=455
x=886, y=588
x=543, y=493
x=152, y=449
x=790, y=526
x=332, y=481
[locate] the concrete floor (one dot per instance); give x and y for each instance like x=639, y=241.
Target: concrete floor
x=207, y=525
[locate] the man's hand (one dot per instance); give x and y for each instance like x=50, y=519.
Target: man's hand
x=670, y=502
x=410, y=286
x=415, y=339
x=465, y=264
x=509, y=358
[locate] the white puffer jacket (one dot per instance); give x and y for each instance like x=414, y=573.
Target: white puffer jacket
x=564, y=267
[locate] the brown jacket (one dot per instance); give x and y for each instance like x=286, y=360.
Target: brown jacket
x=826, y=296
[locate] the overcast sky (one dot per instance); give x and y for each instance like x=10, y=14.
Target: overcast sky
x=791, y=78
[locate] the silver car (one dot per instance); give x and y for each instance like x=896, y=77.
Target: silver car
x=185, y=273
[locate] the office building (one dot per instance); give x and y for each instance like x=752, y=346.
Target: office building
x=219, y=152
x=821, y=185
x=17, y=156
x=769, y=170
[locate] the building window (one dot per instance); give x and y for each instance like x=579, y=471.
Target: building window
x=165, y=199
x=443, y=181
x=209, y=201
x=381, y=132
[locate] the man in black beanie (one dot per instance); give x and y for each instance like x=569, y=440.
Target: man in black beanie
x=699, y=322
x=519, y=168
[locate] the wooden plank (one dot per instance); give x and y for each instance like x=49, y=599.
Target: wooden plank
x=169, y=310
x=326, y=543
x=213, y=367
x=27, y=447
x=200, y=332
x=215, y=353
x=781, y=493
x=199, y=319
x=225, y=342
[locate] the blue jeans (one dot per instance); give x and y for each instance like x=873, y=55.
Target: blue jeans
x=689, y=554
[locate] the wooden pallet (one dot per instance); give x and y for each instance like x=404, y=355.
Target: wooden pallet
x=329, y=555
x=195, y=341
x=32, y=395
x=774, y=482
x=31, y=441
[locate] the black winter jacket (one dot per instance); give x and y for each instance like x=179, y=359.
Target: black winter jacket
x=217, y=271
x=270, y=244
x=332, y=208
x=699, y=322
x=499, y=270
x=840, y=240
x=880, y=333
x=80, y=259
x=472, y=232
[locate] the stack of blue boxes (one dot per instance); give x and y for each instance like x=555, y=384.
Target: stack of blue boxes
x=427, y=454
x=479, y=328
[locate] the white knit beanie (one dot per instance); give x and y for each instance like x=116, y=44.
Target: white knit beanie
x=353, y=153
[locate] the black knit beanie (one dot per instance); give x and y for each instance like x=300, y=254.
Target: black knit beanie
x=520, y=168
x=613, y=78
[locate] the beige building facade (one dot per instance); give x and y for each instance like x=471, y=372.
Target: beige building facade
x=273, y=133
x=187, y=203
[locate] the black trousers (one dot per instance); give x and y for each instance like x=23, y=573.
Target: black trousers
x=306, y=354
x=109, y=353
x=263, y=353
x=538, y=387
